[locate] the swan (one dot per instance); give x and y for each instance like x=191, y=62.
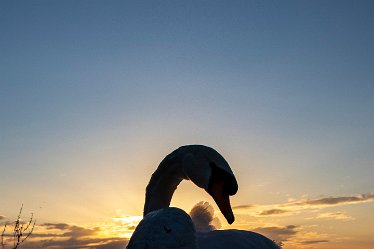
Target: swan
x=170, y=228
x=204, y=166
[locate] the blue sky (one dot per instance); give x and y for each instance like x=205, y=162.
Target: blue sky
x=89, y=89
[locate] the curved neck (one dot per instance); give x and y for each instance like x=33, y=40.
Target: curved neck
x=163, y=183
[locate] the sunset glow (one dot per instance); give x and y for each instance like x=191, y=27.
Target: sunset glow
x=94, y=94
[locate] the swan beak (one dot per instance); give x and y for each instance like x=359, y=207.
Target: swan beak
x=222, y=200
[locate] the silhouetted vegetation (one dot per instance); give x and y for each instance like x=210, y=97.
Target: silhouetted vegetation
x=21, y=231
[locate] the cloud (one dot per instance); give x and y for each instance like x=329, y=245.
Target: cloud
x=297, y=236
x=278, y=233
x=337, y=200
x=2, y=217
x=202, y=215
x=243, y=207
x=59, y=226
x=335, y=216
x=78, y=232
x=65, y=236
x=94, y=243
x=131, y=227
x=116, y=244
x=71, y=231
x=273, y=212
x=311, y=242
x=296, y=206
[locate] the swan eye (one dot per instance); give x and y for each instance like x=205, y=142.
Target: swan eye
x=167, y=230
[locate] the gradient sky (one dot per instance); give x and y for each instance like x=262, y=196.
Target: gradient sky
x=93, y=95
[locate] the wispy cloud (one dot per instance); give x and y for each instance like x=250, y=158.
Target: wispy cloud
x=335, y=201
x=274, y=212
x=296, y=206
x=243, y=207
x=305, y=238
x=66, y=236
x=278, y=233
x=115, y=244
x=335, y=216
x=58, y=226
x=71, y=243
x=301, y=236
x=70, y=231
x=311, y=242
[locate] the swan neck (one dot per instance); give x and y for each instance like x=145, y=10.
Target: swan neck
x=163, y=183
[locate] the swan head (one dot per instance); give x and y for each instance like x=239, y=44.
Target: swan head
x=165, y=228
x=206, y=168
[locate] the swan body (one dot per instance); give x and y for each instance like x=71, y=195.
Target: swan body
x=165, y=228
x=232, y=238
x=171, y=228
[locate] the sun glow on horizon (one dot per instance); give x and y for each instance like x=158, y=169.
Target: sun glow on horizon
x=126, y=224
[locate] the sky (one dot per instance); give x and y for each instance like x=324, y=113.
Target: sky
x=94, y=94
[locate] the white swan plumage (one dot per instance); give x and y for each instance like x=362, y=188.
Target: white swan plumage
x=172, y=228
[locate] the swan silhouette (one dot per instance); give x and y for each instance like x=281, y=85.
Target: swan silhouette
x=172, y=228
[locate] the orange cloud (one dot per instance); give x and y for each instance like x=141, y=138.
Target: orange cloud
x=335, y=216
x=63, y=236
x=278, y=233
x=273, y=212
x=310, y=242
x=293, y=207
x=243, y=207
x=337, y=200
